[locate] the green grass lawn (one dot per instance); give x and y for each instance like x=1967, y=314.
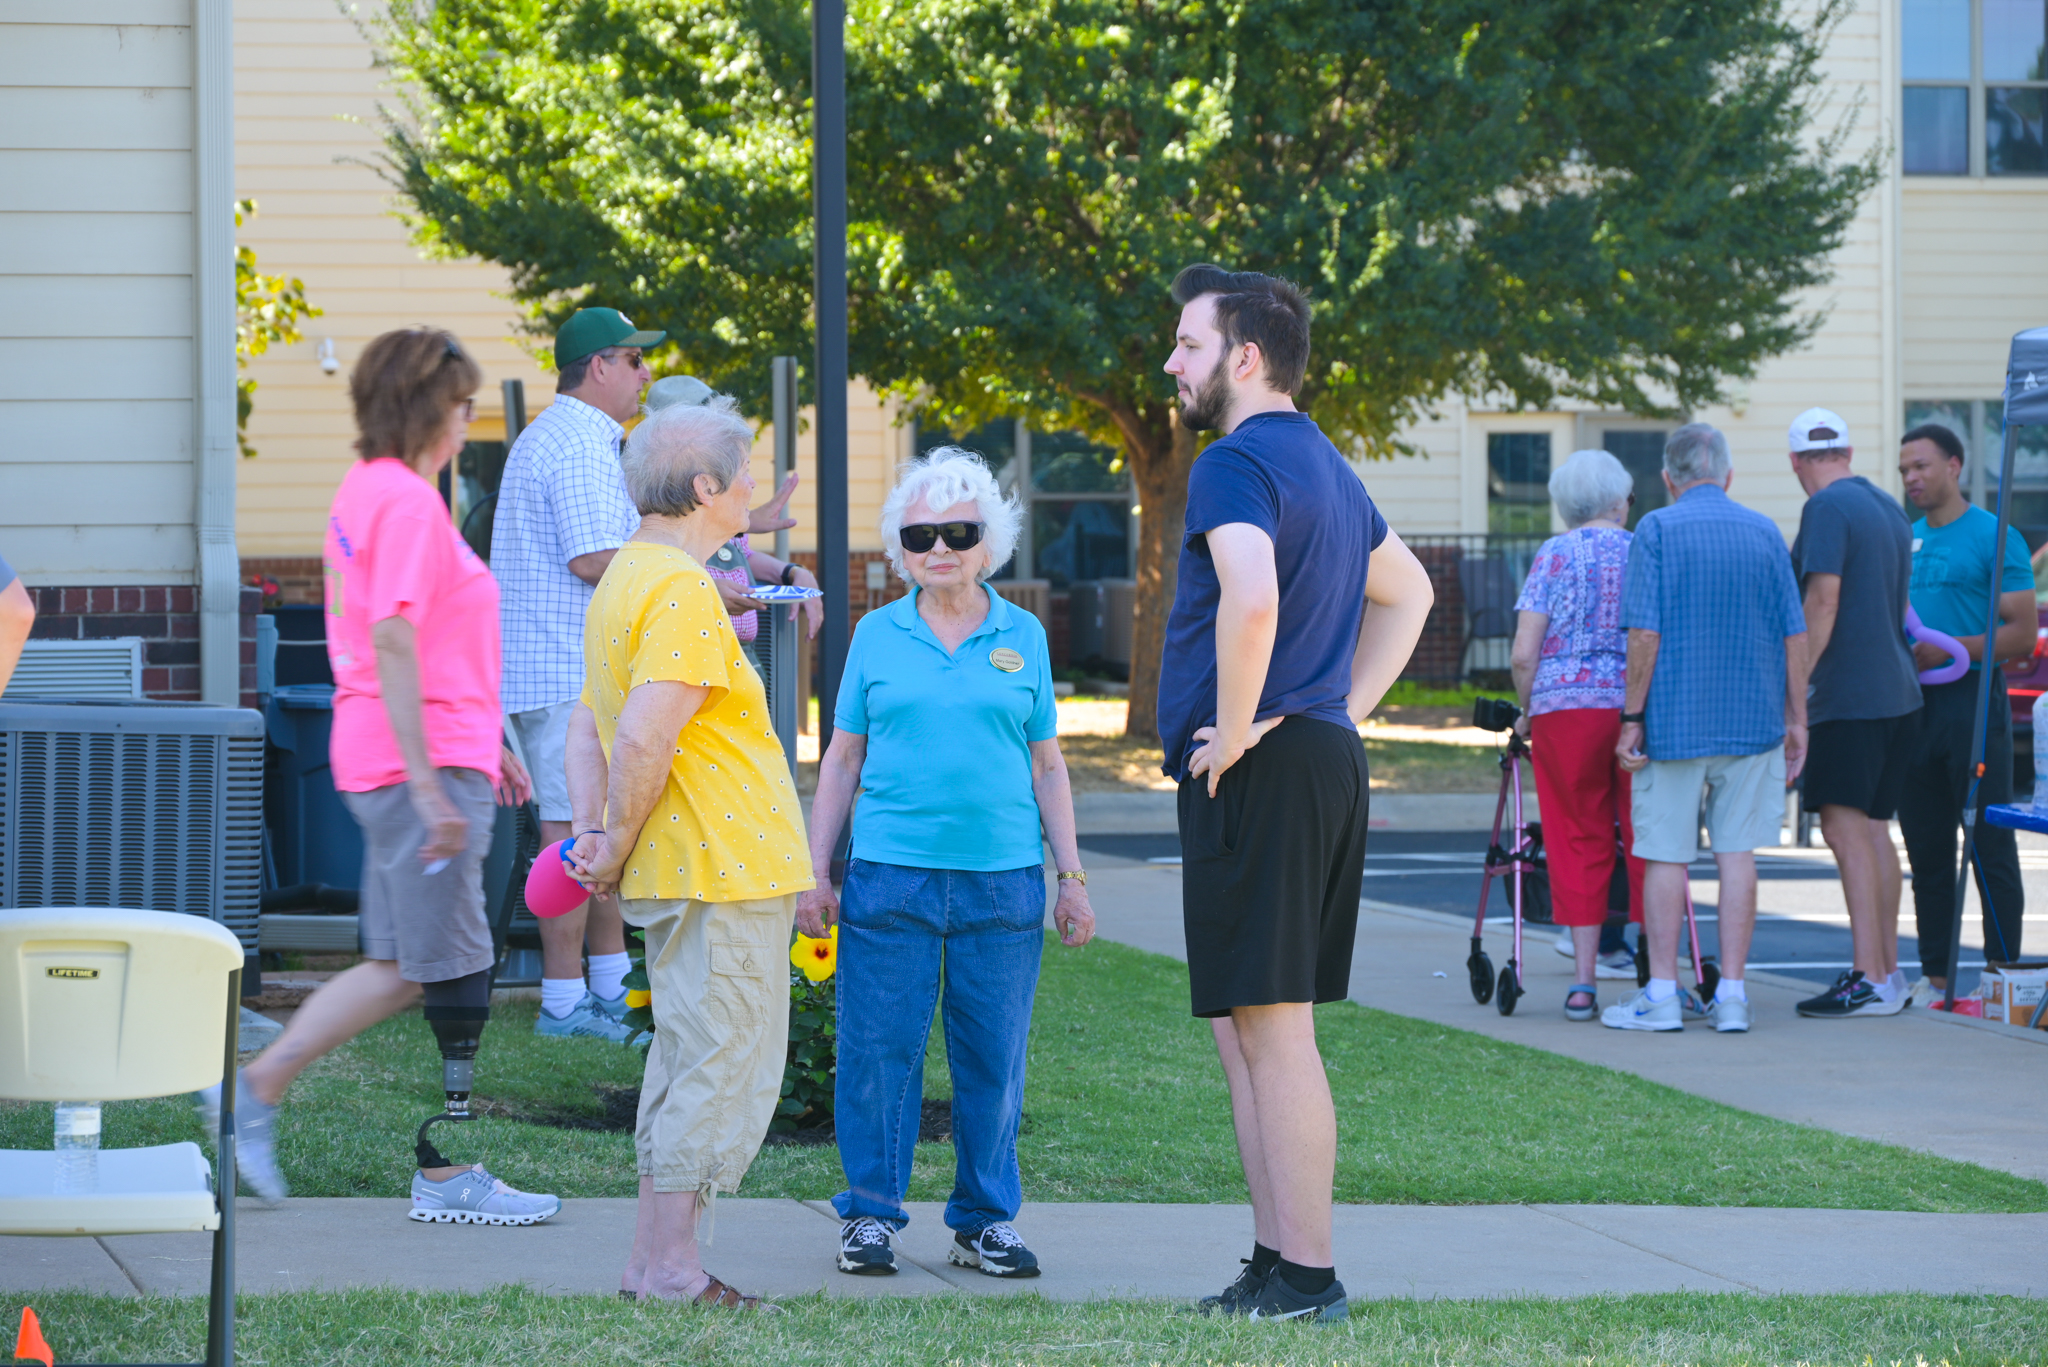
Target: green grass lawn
x=1126, y=1103
x=369, y=1328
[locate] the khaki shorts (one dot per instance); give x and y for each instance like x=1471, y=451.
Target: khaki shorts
x=433, y=924
x=1745, y=804
x=719, y=975
x=543, y=737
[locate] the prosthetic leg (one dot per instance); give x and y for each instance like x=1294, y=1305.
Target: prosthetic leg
x=457, y=1010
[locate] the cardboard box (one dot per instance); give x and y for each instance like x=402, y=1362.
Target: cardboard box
x=2014, y=992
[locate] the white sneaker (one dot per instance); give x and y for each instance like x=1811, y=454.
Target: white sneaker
x=1640, y=1013
x=255, y=1139
x=1563, y=943
x=1621, y=964
x=1729, y=1017
x=477, y=1198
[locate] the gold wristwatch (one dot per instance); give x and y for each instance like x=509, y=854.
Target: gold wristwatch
x=1078, y=875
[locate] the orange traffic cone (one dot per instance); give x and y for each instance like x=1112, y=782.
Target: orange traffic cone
x=30, y=1343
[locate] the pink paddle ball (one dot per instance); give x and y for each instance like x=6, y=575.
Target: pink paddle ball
x=550, y=891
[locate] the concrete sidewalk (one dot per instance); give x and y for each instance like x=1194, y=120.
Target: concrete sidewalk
x=1180, y=1252
x=1963, y=1089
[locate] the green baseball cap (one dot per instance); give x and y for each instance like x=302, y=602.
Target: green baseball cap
x=591, y=330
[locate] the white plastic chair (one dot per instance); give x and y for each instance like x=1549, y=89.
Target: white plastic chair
x=111, y=1004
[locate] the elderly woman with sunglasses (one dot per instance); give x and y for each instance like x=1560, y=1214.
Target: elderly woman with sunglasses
x=946, y=728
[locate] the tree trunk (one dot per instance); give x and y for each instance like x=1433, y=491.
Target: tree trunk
x=1160, y=467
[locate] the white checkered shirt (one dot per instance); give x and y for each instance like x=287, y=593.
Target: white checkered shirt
x=563, y=495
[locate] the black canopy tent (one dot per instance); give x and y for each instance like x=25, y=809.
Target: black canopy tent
x=2026, y=405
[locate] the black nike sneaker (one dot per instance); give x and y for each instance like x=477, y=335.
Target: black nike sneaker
x=1237, y=1298
x=1279, y=1301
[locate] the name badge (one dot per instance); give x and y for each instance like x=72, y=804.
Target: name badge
x=1006, y=659
x=1916, y=544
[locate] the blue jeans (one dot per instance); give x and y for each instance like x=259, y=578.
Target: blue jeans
x=902, y=933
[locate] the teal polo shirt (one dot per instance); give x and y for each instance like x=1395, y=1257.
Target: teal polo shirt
x=1952, y=571
x=947, y=779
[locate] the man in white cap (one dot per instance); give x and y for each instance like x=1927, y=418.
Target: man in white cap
x=1854, y=559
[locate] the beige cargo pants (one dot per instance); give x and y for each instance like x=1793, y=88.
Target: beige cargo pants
x=719, y=975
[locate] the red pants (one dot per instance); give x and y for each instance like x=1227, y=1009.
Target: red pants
x=1583, y=791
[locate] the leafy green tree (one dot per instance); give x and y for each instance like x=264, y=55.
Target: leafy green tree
x=267, y=310
x=1618, y=201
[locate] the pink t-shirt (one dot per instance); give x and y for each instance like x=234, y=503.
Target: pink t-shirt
x=393, y=552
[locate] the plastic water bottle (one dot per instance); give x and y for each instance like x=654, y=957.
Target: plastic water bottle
x=2041, y=753
x=78, y=1146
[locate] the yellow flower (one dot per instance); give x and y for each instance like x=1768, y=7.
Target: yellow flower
x=637, y=998
x=817, y=958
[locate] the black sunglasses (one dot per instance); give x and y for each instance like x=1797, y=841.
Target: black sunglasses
x=920, y=537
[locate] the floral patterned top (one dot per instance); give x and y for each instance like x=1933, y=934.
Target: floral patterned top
x=1576, y=579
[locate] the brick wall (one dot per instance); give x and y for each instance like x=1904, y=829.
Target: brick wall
x=166, y=617
x=1440, y=655
x=298, y=577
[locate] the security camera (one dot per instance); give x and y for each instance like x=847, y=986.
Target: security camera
x=329, y=364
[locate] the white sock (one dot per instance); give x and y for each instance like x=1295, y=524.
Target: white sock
x=1897, y=981
x=558, y=996
x=1662, y=989
x=1730, y=990
x=607, y=972
x=1886, y=989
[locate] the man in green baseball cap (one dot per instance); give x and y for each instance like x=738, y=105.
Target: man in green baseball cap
x=593, y=330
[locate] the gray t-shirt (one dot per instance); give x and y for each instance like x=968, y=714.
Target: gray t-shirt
x=1854, y=529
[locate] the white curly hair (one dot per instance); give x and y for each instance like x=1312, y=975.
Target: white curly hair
x=946, y=477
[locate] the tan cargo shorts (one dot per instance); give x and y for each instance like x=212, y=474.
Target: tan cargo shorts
x=1745, y=804
x=719, y=975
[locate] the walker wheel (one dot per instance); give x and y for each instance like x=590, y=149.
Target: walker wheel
x=1710, y=979
x=1509, y=991
x=1481, y=970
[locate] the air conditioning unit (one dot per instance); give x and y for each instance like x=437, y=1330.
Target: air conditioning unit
x=110, y=668
x=155, y=805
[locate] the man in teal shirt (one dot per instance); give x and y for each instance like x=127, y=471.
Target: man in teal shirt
x=1952, y=568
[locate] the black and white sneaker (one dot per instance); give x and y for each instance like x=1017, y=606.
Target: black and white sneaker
x=996, y=1251
x=1852, y=995
x=1237, y=1298
x=864, y=1248
x=1279, y=1301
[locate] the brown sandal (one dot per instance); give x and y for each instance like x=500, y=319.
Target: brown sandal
x=717, y=1293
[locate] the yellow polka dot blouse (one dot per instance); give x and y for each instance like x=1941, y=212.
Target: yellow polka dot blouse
x=728, y=826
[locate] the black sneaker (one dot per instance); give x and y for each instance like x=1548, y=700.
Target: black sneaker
x=864, y=1248
x=1279, y=1301
x=1237, y=1298
x=996, y=1251
x=1848, y=997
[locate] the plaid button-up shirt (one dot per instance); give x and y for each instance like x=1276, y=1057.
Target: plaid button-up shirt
x=1714, y=581
x=563, y=495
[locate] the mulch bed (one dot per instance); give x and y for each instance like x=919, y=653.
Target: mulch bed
x=622, y=1110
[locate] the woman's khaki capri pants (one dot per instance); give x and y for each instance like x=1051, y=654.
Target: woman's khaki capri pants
x=719, y=976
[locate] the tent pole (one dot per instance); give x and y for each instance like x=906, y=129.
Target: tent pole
x=1982, y=725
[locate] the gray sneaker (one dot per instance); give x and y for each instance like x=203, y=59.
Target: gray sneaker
x=476, y=1198
x=588, y=1020
x=1729, y=1017
x=255, y=1142
x=1640, y=1013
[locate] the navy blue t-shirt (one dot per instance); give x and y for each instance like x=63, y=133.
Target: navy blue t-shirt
x=1279, y=473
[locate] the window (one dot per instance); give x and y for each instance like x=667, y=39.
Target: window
x=1976, y=87
x=1076, y=495
x=1518, y=483
x=1642, y=455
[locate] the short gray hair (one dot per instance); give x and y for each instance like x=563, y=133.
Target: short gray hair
x=1696, y=452
x=1587, y=485
x=669, y=449
x=945, y=477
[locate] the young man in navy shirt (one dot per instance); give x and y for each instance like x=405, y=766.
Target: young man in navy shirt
x=1272, y=660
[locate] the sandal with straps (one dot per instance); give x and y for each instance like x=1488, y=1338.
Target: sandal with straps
x=717, y=1293
x=1586, y=1012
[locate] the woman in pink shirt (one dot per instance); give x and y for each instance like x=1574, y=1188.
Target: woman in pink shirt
x=418, y=755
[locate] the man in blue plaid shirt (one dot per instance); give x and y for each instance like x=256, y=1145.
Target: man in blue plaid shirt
x=1715, y=702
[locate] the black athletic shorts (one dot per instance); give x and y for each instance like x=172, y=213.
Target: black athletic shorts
x=1859, y=763
x=1271, y=867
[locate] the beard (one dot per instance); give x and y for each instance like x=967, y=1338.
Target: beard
x=1208, y=406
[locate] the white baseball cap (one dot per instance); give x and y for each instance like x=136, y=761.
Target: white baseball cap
x=688, y=390
x=1818, y=429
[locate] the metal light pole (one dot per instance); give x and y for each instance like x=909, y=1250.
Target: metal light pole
x=828, y=205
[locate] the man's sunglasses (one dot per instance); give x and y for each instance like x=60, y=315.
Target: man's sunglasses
x=920, y=537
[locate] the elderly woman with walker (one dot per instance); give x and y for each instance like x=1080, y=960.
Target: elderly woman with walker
x=1569, y=660
x=945, y=726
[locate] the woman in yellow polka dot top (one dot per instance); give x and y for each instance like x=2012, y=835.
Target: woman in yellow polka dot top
x=684, y=804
